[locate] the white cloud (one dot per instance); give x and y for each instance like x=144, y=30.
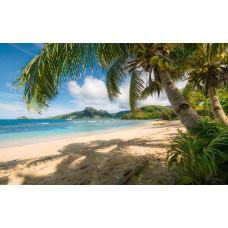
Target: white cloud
x=94, y=93
x=92, y=90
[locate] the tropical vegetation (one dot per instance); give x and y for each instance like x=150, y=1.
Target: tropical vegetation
x=150, y=112
x=200, y=156
x=198, y=99
x=207, y=73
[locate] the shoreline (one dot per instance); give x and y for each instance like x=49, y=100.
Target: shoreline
x=91, y=159
x=40, y=139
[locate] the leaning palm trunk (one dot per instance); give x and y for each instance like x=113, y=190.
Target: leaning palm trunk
x=187, y=115
x=216, y=106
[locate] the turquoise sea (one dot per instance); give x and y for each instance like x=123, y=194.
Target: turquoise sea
x=12, y=132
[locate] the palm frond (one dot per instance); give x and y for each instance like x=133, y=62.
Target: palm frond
x=215, y=49
x=115, y=77
x=135, y=91
x=44, y=74
x=145, y=93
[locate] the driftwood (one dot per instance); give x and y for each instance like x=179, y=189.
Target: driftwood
x=127, y=175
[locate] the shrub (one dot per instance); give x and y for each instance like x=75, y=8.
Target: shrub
x=208, y=130
x=202, y=111
x=197, y=161
x=168, y=114
x=155, y=115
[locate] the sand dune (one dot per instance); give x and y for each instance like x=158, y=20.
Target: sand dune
x=93, y=159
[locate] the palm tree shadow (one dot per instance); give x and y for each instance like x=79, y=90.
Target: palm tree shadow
x=4, y=180
x=97, y=162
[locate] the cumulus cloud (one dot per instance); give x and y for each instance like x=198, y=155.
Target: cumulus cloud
x=93, y=92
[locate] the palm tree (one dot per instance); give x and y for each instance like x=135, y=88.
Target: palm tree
x=58, y=63
x=210, y=70
x=158, y=60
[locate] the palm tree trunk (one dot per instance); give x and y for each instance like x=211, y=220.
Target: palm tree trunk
x=187, y=115
x=216, y=106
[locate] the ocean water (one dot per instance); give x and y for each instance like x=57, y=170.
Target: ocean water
x=16, y=132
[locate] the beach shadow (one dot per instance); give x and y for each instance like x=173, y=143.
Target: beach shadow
x=172, y=134
x=101, y=162
x=11, y=164
x=4, y=180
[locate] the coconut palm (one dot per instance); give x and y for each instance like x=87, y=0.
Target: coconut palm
x=209, y=69
x=158, y=61
x=58, y=63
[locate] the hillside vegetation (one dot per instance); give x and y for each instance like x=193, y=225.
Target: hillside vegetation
x=90, y=113
x=152, y=112
x=23, y=118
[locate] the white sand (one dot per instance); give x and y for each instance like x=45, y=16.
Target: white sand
x=93, y=159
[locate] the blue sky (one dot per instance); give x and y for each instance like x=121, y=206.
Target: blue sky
x=89, y=90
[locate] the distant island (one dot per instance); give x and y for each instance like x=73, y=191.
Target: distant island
x=23, y=118
x=90, y=113
x=146, y=112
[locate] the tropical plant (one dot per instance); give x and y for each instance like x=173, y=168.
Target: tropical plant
x=207, y=67
x=168, y=114
x=207, y=130
x=159, y=62
x=198, y=162
x=147, y=112
x=223, y=98
x=58, y=63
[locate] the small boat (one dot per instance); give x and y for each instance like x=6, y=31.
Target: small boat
x=69, y=118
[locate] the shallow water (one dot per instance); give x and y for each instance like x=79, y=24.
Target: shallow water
x=27, y=130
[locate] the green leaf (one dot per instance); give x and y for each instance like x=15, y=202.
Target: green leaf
x=136, y=88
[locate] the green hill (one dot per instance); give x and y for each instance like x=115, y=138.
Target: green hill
x=23, y=118
x=151, y=112
x=91, y=113
x=120, y=114
x=146, y=112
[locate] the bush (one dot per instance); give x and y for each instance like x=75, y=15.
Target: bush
x=155, y=115
x=168, y=114
x=201, y=154
x=202, y=111
x=152, y=108
x=208, y=130
x=197, y=161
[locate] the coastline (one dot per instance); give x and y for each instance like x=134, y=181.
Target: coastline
x=89, y=159
x=48, y=138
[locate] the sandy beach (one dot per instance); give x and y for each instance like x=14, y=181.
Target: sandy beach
x=94, y=159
